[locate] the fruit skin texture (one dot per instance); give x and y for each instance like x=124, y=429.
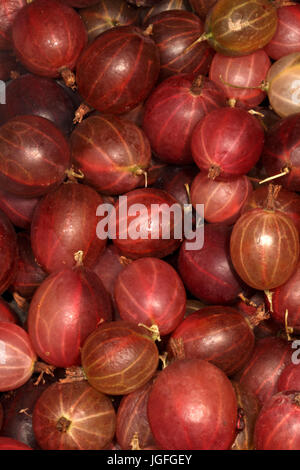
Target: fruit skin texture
x=40, y=96
x=208, y=273
x=18, y=209
x=173, y=32
x=282, y=150
x=34, y=156
x=281, y=78
x=287, y=37
x=264, y=248
x=192, y=406
x=129, y=56
x=289, y=378
x=148, y=243
x=223, y=200
x=236, y=146
x=216, y=334
x=18, y=425
x=172, y=111
x=149, y=291
x=286, y=201
x=175, y=179
x=7, y=314
x=111, y=152
x=286, y=297
x=246, y=71
x=260, y=375
x=164, y=5
x=202, y=7
x=277, y=426
x=9, y=253
x=258, y=305
x=107, y=14
x=132, y=418
x=64, y=223
x=119, y=357
x=65, y=309
x=8, y=12
x=7, y=443
x=248, y=410
x=48, y=37
x=17, y=356
x=238, y=29
x=109, y=265
x=8, y=64
x=29, y=275
x=80, y=418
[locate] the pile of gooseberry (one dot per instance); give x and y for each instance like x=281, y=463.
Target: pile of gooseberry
x=149, y=225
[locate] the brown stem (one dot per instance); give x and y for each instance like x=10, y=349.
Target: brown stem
x=214, y=172
x=188, y=192
x=78, y=257
x=81, y=112
x=14, y=74
x=240, y=425
x=74, y=374
x=134, y=443
x=100, y=321
x=113, y=23
x=264, y=86
x=21, y=302
x=296, y=399
x=69, y=78
x=270, y=198
x=255, y=180
x=42, y=368
x=140, y=172
x=288, y=329
x=177, y=348
x=25, y=412
x=149, y=30
x=260, y=315
x=232, y=102
x=203, y=37
x=264, y=126
x=272, y=195
x=197, y=85
x=63, y=424
x=277, y=188
x=163, y=357
x=153, y=330
x=247, y=301
x=73, y=175
x=269, y=296
x=283, y=172
x=256, y=113
x=125, y=261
